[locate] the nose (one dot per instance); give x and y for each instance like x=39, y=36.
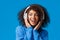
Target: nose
x=33, y=17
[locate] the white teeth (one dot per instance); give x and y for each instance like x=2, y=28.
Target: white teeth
x=33, y=20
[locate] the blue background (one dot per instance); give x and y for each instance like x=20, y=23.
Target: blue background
x=8, y=17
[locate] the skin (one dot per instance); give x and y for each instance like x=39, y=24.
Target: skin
x=33, y=19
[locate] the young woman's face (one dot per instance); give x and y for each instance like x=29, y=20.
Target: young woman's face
x=33, y=17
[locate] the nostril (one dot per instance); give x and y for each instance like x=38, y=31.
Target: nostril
x=33, y=17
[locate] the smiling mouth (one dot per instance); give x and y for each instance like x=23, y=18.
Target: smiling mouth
x=33, y=21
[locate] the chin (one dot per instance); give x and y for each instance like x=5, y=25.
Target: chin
x=33, y=24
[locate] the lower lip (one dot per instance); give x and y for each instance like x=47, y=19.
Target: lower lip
x=33, y=22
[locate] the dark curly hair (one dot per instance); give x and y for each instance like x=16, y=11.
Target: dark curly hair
x=36, y=8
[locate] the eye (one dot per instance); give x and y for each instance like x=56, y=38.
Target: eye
x=36, y=14
x=30, y=14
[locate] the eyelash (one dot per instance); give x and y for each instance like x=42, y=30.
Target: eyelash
x=35, y=14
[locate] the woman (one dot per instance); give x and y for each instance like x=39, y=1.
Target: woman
x=33, y=19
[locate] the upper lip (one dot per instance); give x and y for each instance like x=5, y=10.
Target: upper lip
x=33, y=20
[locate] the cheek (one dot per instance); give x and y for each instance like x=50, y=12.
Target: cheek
x=29, y=18
x=37, y=18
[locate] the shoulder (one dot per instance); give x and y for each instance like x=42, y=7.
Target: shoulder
x=20, y=31
x=44, y=33
x=20, y=28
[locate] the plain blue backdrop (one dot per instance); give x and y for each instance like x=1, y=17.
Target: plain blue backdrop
x=8, y=17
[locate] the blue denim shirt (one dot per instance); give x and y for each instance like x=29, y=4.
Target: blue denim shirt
x=23, y=33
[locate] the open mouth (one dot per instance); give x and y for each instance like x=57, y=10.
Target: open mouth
x=34, y=21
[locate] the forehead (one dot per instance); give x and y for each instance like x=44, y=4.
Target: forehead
x=32, y=11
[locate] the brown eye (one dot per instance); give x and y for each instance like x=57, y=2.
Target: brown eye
x=36, y=14
x=30, y=14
